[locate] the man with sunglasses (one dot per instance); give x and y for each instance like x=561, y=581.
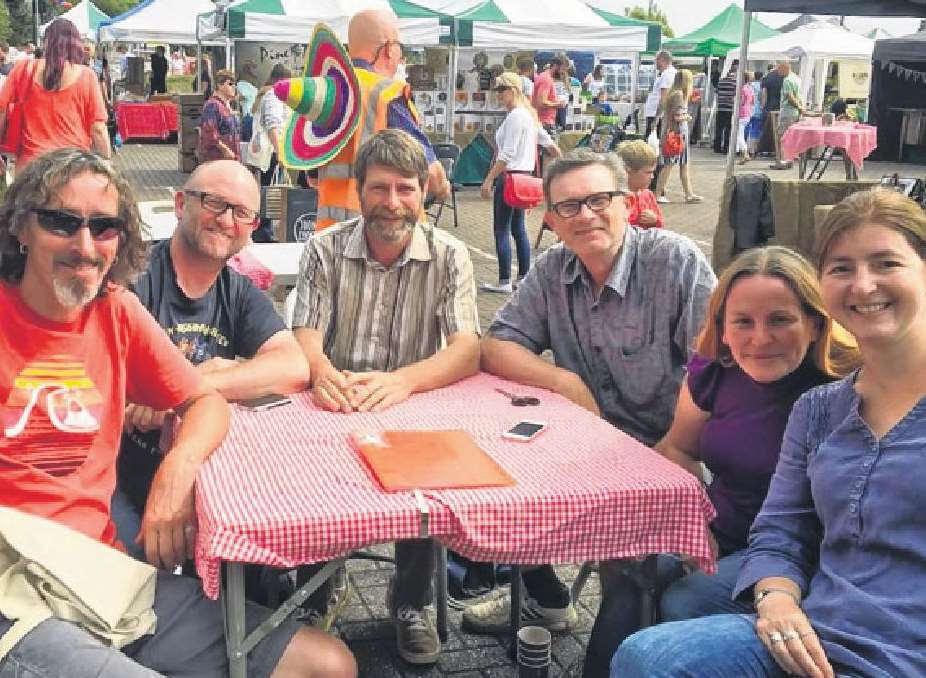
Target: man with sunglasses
x=74, y=346
x=620, y=309
x=385, y=103
x=213, y=314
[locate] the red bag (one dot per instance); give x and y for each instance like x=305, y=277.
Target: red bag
x=12, y=134
x=522, y=191
x=673, y=145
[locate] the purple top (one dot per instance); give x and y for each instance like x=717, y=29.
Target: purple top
x=741, y=441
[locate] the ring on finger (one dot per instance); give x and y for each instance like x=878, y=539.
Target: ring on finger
x=775, y=637
x=789, y=635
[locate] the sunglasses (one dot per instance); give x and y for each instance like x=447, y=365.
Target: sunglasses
x=66, y=224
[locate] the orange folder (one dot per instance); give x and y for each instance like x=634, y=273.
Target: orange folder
x=428, y=460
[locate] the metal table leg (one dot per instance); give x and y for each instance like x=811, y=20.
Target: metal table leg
x=233, y=599
x=440, y=580
x=516, y=602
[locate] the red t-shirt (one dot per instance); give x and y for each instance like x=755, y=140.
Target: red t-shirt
x=544, y=91
x=639, y=201
x=63, y=389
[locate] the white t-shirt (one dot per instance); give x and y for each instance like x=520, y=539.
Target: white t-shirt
x=527, y=85
x=517, y=138
x=664, y=81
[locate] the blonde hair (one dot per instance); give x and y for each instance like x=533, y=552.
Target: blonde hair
x=512, y=81
x=684, y=82
x=835, y=352
x=879, y=206
x=637, y=154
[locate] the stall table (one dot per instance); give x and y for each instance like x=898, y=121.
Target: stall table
x=856, y=141
x=154, y=120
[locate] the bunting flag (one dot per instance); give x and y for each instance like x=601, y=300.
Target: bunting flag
x=904, y=72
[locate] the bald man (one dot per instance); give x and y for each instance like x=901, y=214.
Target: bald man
x=376, y=53
x=213, y=314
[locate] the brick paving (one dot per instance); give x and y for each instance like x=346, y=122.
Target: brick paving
x=363, y=624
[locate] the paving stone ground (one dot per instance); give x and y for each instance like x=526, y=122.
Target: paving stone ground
x=152, y=170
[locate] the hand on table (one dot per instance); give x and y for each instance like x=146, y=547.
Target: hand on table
x=785, y=630
x=330, y=389
x=375, y=391
x=168, y=528
x=570, y=386
x=648, y=218
x=143, y=419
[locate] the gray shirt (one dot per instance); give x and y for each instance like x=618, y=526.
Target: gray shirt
x=629, y=342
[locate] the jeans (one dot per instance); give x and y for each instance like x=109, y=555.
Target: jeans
x=414, y=573
x=720, y=646
x=508, y=223
x=128, y=523
x=699, y=594
x=722, y=126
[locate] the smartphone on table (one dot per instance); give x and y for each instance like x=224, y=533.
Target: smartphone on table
x=265, y=402
x=525, y=431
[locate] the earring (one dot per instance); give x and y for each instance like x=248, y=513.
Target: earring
x=23, y=249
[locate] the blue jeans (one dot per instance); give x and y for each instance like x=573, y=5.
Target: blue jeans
x=699, y=594
x=128, y=523
x=721, y=646
x=508, y=223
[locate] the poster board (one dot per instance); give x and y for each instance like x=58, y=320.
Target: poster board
x=259, y=58
x=854, y=79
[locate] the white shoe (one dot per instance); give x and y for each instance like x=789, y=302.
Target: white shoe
x=501, y=288
x=494, y=616
x=663, y=200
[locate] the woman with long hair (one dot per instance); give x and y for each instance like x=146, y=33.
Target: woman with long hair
x=767, y=339
x=516, y=139
x=61, y=98
x=676, y=122
x=835, y=560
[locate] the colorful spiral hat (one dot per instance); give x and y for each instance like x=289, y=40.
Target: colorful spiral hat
x=326, y=101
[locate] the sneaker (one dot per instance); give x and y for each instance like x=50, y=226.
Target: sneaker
x=663, y=200
x=693, y=198
x=494, y=616
x=416, y=636
x=339, y=594
x=501, y=288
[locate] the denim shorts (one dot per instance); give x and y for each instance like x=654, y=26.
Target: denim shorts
x=189, y=642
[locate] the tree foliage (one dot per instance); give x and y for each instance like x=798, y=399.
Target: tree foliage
x=656, y=15
x=4, y=22
x=16, y=20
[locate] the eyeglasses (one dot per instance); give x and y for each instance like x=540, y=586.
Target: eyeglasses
x=211, y=203
x=385, y=47
x=596, y=202
x=66, y=224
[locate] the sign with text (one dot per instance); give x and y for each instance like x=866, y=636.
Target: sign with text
x=854, y=79
x=255, y=59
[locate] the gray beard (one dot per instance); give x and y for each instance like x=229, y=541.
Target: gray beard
x=389, y=234
x=74, y=294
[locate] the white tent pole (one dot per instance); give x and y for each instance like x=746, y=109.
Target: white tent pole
x=452, y=61
x=634, y=86
x=735, y=118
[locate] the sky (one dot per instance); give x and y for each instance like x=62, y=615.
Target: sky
x=685, y=16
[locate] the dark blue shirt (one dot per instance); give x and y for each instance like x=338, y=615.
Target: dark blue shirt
x=845, y=519
x=399, y=116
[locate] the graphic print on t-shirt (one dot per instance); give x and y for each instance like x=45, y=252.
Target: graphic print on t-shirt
x=198, y=341
x=51, y=416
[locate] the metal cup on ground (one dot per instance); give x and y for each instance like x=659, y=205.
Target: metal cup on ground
x=533, y=652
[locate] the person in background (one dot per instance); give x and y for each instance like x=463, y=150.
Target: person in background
x=835, y=557
x=561, y=87
x=676, y=120
x=754, y=129
x=177, y=63
x=219, y=131
x=247, y=94
x=65, y=106
x=159, y=68
x=545, y=99
x=203, y=83
x=594, y=81
x=640, y=163
x=770, y=98
x=526, y=72
x=6, y=64
x=654, y=109
x=271, y=115
x=747, y=104
x=790, y=111
x=726, y=92
x=516, y=139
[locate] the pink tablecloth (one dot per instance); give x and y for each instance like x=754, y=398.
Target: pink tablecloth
x=856, y=139
x=155, y=120
x=287, y=488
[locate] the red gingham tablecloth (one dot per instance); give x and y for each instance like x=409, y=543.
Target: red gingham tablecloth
x=288, y=488
x=856, y=139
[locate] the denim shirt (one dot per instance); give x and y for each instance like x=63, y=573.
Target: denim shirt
x=845, y=519
x=630, y=341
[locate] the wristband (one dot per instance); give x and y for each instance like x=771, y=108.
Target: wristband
x=764, y=593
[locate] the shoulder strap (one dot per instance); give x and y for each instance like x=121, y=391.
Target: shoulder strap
x=20, y=99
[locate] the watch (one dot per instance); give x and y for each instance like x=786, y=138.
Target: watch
x=762, y=594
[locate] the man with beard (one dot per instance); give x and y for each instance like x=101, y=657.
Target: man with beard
x=75, y=346
x=544, y=94
x=213, y=314
x=386, y=307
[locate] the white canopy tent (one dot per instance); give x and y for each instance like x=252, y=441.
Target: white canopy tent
x=170, y=21
x=85, y=16
x=814, y=46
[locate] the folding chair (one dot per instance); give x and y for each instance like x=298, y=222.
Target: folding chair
x=448, y=155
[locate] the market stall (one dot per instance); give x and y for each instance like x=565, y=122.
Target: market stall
x=86, y=16
x=898, y=96
x=167, y=21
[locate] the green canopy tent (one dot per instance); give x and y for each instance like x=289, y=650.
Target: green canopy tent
x=718, y=36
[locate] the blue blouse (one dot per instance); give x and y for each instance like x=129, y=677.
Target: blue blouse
x=845, y=519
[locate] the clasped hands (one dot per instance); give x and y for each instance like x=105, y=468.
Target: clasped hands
x=346, y=391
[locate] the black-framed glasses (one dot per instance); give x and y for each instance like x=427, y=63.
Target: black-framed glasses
x=596, y=202
x=385, y=47
x=65, y=224
x=212, y=203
